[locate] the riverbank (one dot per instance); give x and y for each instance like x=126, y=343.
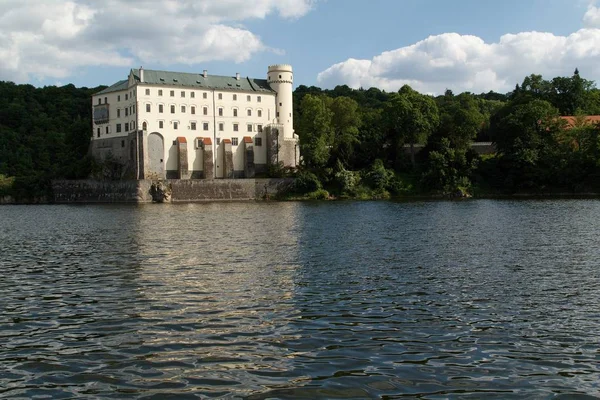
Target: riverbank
x=275, y=189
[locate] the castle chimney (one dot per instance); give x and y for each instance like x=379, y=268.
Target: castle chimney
x=237, y=76
x=205, y=73
x=142, y=74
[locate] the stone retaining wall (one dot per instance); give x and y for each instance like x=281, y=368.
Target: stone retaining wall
x=185, y=190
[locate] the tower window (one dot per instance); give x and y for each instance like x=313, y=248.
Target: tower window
x=258, y=99
x=248, y=98
x=147, y=107
x=205, y=110
x=220, y=96
x=205, y=126
x=175, y=125
x=249, y=112
x=160, y=108
x=193, y=126
x=249, y=127
x=160, y=92
x=235, y=112
x=234, y=141
x=235, y=127
x=147, y=92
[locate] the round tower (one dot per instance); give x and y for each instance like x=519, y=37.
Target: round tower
x=281, y=80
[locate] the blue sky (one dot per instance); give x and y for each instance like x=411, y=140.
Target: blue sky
x=474, y=45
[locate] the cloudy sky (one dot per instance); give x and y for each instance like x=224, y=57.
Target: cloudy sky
x=432, y=45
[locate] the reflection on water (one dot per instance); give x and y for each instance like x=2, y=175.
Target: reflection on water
x=301, y=300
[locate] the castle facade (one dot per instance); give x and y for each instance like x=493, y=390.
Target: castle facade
x=171, y=125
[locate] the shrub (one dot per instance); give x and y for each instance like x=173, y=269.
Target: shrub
x=306, y=182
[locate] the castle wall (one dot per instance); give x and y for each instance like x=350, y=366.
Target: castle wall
x=139, y=191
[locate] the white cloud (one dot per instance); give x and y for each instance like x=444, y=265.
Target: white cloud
x=468, y=63
x=42, y=39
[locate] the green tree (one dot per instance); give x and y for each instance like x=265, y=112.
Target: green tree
x=345, y=122
x=315, y=131
x=411, y=118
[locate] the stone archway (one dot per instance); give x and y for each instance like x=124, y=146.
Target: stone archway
x=156, y=154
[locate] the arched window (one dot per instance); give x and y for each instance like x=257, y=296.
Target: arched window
x=145, y=126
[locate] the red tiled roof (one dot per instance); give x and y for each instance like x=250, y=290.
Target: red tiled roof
x=227, y=141
x=247, y=139
x=181, y=139
x=207, y=141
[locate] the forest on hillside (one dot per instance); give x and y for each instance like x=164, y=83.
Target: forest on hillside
x=355, y=143
x=362, y=143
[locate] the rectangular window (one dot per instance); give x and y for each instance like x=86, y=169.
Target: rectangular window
x=220, y=112
x=161, y=124
x=280, y=104
x=235, y=127
x=205, y=126
x=172, y=93
x=193, y=126
x=105, y=100
x=204, y=95
x=147, y=107
x=249, y=127
x=160, y=92
x=107, y=130
x=220, y=96
x=118, y=128
x=218, y=141
x=98, y=132
x=193, y=95
x=126, y=126
x=160, y=108
x=118, y=113
x=133, y=109
x=175, y=125
x=234, y=141
x=249, y=98
x=183, y=109
x=126, y=96
x=249, y=112
x=258, y=128
x=221, y=127
x=99, y=101
x=126, y=111
x=147, y=92
x=182, y=93
x=258, y=99
x=235, y=112
x=257, y=141
x=235, y=97
x=277, y=114
x=205, y=110
x=119, y=98
x=193, y=109
x=172, y=109
x=260, y=113
x=122, y=143
x=132, y=125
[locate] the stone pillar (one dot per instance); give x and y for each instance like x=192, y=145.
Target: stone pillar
x=248, y=157
x=207, y=159
x=182, y=158
x=227, y=159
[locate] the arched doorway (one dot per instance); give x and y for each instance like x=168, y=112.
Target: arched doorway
x=156, y=154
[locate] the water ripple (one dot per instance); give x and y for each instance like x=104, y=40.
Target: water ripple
x=284, y=300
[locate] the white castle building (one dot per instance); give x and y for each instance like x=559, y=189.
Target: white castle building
x=171, y=125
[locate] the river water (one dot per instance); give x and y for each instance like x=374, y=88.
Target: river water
x=467, y=299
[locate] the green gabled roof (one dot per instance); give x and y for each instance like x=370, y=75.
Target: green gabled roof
x=121, y=85
x=185, y=79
